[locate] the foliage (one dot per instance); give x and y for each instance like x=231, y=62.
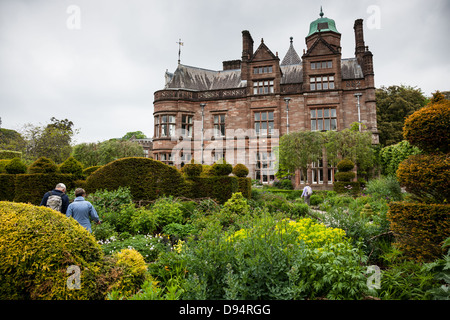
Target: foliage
x=420, y=228
x=167, y=210
x=441, y=269
x=147, y=179
x=8, y=186
x=72, y=166
x=8, y=154
x=394, y=105
x=345, y=165
x=345, y=176
x=89, y=170
x=135, y=134
x=192, y=169
x=386, y=188
x=179, y=231
x=43, y=165
x=34, y=260
x=52, y=141
x=391, y=156
x=102, y=153
x=428, y=128
x=221, y=169
x=219, y=188
x=297, y=150
x=134, y=271
x=240, y=170
x=427, y=177
x=273, y=259
x=11, y=140
x=15, y=166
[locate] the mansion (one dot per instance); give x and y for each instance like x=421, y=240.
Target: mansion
x=239, y=113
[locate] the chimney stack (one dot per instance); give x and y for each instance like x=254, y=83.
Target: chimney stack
x=359, y=40
x=247, y=54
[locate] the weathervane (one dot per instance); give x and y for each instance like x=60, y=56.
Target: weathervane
x=179, y=49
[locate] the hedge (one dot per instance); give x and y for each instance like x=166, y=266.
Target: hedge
x=7, y=187
x=37, y=245
x=245, y=187
x=43, y=165
x=352, y=187
x=420, y=228
x=32, y=187
x=147, y=179
x=426, y=176
x=219, y=188
x=8, y=154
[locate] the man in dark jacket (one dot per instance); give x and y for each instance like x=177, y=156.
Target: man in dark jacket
x=56, y=199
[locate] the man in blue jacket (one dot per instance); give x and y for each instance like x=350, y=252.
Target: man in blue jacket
x=82, y=210
x=56, y=199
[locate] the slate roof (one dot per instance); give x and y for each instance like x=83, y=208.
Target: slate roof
x=291, y=56
x=350, y=69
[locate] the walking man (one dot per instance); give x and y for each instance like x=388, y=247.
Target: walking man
x=82, y=210
x=307, y=192
x=56, y=199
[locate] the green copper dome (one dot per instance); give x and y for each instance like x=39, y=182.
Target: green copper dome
x=324, y=24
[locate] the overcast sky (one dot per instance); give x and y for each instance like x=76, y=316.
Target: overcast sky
x=98, y=62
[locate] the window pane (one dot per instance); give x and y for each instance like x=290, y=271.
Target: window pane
x=255, y=70
x=266, y=89
x=325, y=85
x=183, y=119
x=260, y=70
x=257, y=115
x=313, y=125
x=271, y=127
x=270, y=115
x=257, y=127
x=260, y=90
x=319, y=113
x=333, y=124
x=319, y=86
x=313, y=113
x=222, y=129
x=313, y=79
x=327, y=124
x=333, y=112
x=263, y=125
x=271, y=89
x=330, y=64
x=331, y=85
x=324, y=79
x=255, y=90
x=216, y=119
x=164, y=119
x=270, y=69
x=326, y=113
x=172, y=119
x=156, y=120
x=263, y=116
x=320, y=125
x=331, y=78
x=318, y=65
x=222, y=118
x=313, y=86
x=313, y=65
x=324, y=64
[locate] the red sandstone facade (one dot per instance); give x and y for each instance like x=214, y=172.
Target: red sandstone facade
x=241, y=111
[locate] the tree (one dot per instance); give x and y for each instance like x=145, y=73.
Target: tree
x=298, y=150
x=392, y=155
x=394, y=104
x=52, y=141
x=136, y=134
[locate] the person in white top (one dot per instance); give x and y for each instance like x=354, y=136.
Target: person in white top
x=307, y=192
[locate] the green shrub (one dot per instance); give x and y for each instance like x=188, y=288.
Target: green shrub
x=386, y=188
x=167, y=210
x=121, y=219
x=245, y=187
x=315, y=200
x=134, y=269
x=110, y=200
x=192, y=169
x=345, y=176
x=72, y=166
x=240, y=170
x=420, y=228
x=221, y=169
x=147, y=179
x=8, y=154
x=179, y=231
x=89, y=170
x=15, y=166
x=103, y=231
x=219, y=188
x=143, y=221
x=43, y=165
x=345, y=165
x=37, y=245
x=3, y=164
x=349, y=187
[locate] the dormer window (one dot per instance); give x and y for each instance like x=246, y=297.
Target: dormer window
x=262, y=70
x=322, y=65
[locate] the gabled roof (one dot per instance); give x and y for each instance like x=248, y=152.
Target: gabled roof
x=320, y=41
x=263, y=53
x=291, y=56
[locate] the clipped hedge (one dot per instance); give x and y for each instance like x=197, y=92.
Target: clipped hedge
x=37, y=245
x=32, y=187
x=8, y=154
x=15, y=166
x=245, y=187
x=71, y=165
x=192, y=169
x=147, y=179
x=89, y=170
x=43, y=165
x=219, y=188
x=240, y=170
x=7, y=187
x=352, y=187
x=426, y=176
x=420, y=228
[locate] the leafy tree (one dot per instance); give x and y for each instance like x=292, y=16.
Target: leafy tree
x=394, y=104
x=136, y=134
x=392, y=155
x=52, y=141
x=11, y=140
x=298, y=150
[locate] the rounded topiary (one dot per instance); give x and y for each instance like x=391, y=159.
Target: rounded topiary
x=43, y=165
x=240, y=170
x=427, y=176
x=147, y=179
x=428, y=128
x=345, y=165
x=15, y=166
x=72, y=166
x=192, y=169
x=134, y=269
x=345, y=176
x=221, y=169
x=37, y=247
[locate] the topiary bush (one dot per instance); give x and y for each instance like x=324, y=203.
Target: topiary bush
x=345, y=176
x=7, y=187
x=240, y=170
x=344, y=183
x=72, y=166
x=428, y=128
x=221, y=169
x=37, y=245
x=43, y=165
x=192, y=169
x=89, y=170
x=146, y=178
x=345, y=165
x=427, y=177
x=15, y=166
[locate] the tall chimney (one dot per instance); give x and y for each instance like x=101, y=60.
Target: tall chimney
x=359, y=40
x=247, y=54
